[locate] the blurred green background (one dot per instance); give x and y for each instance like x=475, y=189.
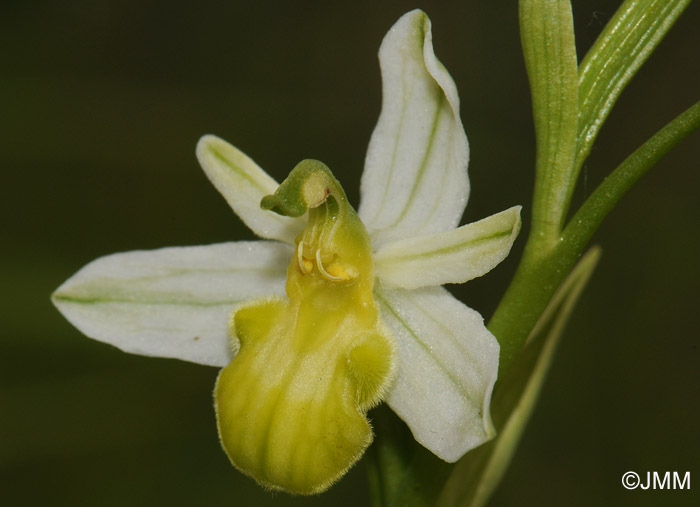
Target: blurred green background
x=101, y=104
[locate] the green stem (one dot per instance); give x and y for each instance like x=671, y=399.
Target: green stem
x=540, y=272
x=545, y=265
x=547, y=34
x=515, y=400
x=402, y=473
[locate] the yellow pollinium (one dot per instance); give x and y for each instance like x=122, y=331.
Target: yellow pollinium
x=291, y=407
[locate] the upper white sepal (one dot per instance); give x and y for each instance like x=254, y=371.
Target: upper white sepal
x=415, y=179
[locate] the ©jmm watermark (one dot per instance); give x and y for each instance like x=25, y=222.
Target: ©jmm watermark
x=656, y=480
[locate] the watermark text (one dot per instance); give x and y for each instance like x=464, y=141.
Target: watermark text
x=656, y=480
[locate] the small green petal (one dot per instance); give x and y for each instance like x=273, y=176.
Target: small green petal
x=453, y=256
x=243, y=184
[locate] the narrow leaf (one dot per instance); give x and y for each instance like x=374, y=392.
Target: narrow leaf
x=626, y=42
x=547, y=34
x=610, y=191
x=477, y=475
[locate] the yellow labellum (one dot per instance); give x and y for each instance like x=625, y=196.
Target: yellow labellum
x=291, y=407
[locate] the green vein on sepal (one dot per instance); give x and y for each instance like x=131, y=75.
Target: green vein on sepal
x=219, y=155
x=87, y=300
x=441, y=365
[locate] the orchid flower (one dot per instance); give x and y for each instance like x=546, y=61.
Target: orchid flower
x=333, y=310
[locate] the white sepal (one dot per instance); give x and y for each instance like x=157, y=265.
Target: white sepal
x=243, y=184
x=172, y=302
x=448, y=363
x=453, y=256
x=415, y=179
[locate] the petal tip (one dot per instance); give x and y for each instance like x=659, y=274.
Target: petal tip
x=205, y=143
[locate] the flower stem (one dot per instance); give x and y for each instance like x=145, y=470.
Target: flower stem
x=539, y=274
x=545, y=264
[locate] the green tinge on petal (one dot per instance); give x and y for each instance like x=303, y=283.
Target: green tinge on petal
x=172, y=302
x=415, y=179
x=291, y=406
x=448, y=362
x=454, y=256
x=243, y=184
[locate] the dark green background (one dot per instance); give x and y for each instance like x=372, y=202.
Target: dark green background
x=101, y=104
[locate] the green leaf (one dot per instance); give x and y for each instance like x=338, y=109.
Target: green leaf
x=610, y=191
x=547, y=34
x=628, y=39
x=546, y=259
x=477, y=475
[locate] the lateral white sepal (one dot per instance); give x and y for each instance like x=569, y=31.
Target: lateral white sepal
x=172, y=302
x=448, y=363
